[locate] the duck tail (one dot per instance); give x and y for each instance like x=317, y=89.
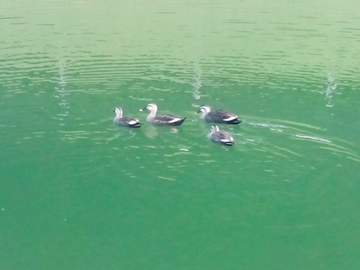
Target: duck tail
x=229, y=143
x=182, y=120
x=235, y=121
x=137, y=125
x=178, y=123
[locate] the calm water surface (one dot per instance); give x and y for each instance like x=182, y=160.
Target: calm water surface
x=78, y=192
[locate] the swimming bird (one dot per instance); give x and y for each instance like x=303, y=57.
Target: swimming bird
x=218, y=116
x=219, y=136
x=125, y=121
x=162, y=119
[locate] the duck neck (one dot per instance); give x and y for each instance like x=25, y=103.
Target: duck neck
x=151, y=115
x=203, y=115
x=118, y=115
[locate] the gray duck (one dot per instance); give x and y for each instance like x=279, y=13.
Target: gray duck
x=125, y=121
x=221, y=137
x=218, y=116
x=162, y=119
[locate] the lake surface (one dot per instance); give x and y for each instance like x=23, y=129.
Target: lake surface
x=78, y=192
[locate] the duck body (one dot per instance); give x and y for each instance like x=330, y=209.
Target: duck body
x=162, y=119
x=221, y=137
x=218, y=116
x=125, y=121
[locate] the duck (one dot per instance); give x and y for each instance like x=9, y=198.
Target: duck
x=162, y=119
x=125, y=121
x=221, y=137
x=218, y=116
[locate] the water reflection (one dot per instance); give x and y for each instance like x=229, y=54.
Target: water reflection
x=197, y=83
x=150, y=131
x=60, y=92
x=330, y=90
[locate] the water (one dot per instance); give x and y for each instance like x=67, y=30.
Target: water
x=78, y=192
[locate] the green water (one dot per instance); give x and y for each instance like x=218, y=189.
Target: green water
x=77, y=192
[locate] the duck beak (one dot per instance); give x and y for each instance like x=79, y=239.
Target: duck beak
x=198, y=111
x=144, y=109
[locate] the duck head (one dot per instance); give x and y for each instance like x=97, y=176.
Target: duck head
x=214, y=129
x=204, y=109
x=119, y=112
x=150, y=107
